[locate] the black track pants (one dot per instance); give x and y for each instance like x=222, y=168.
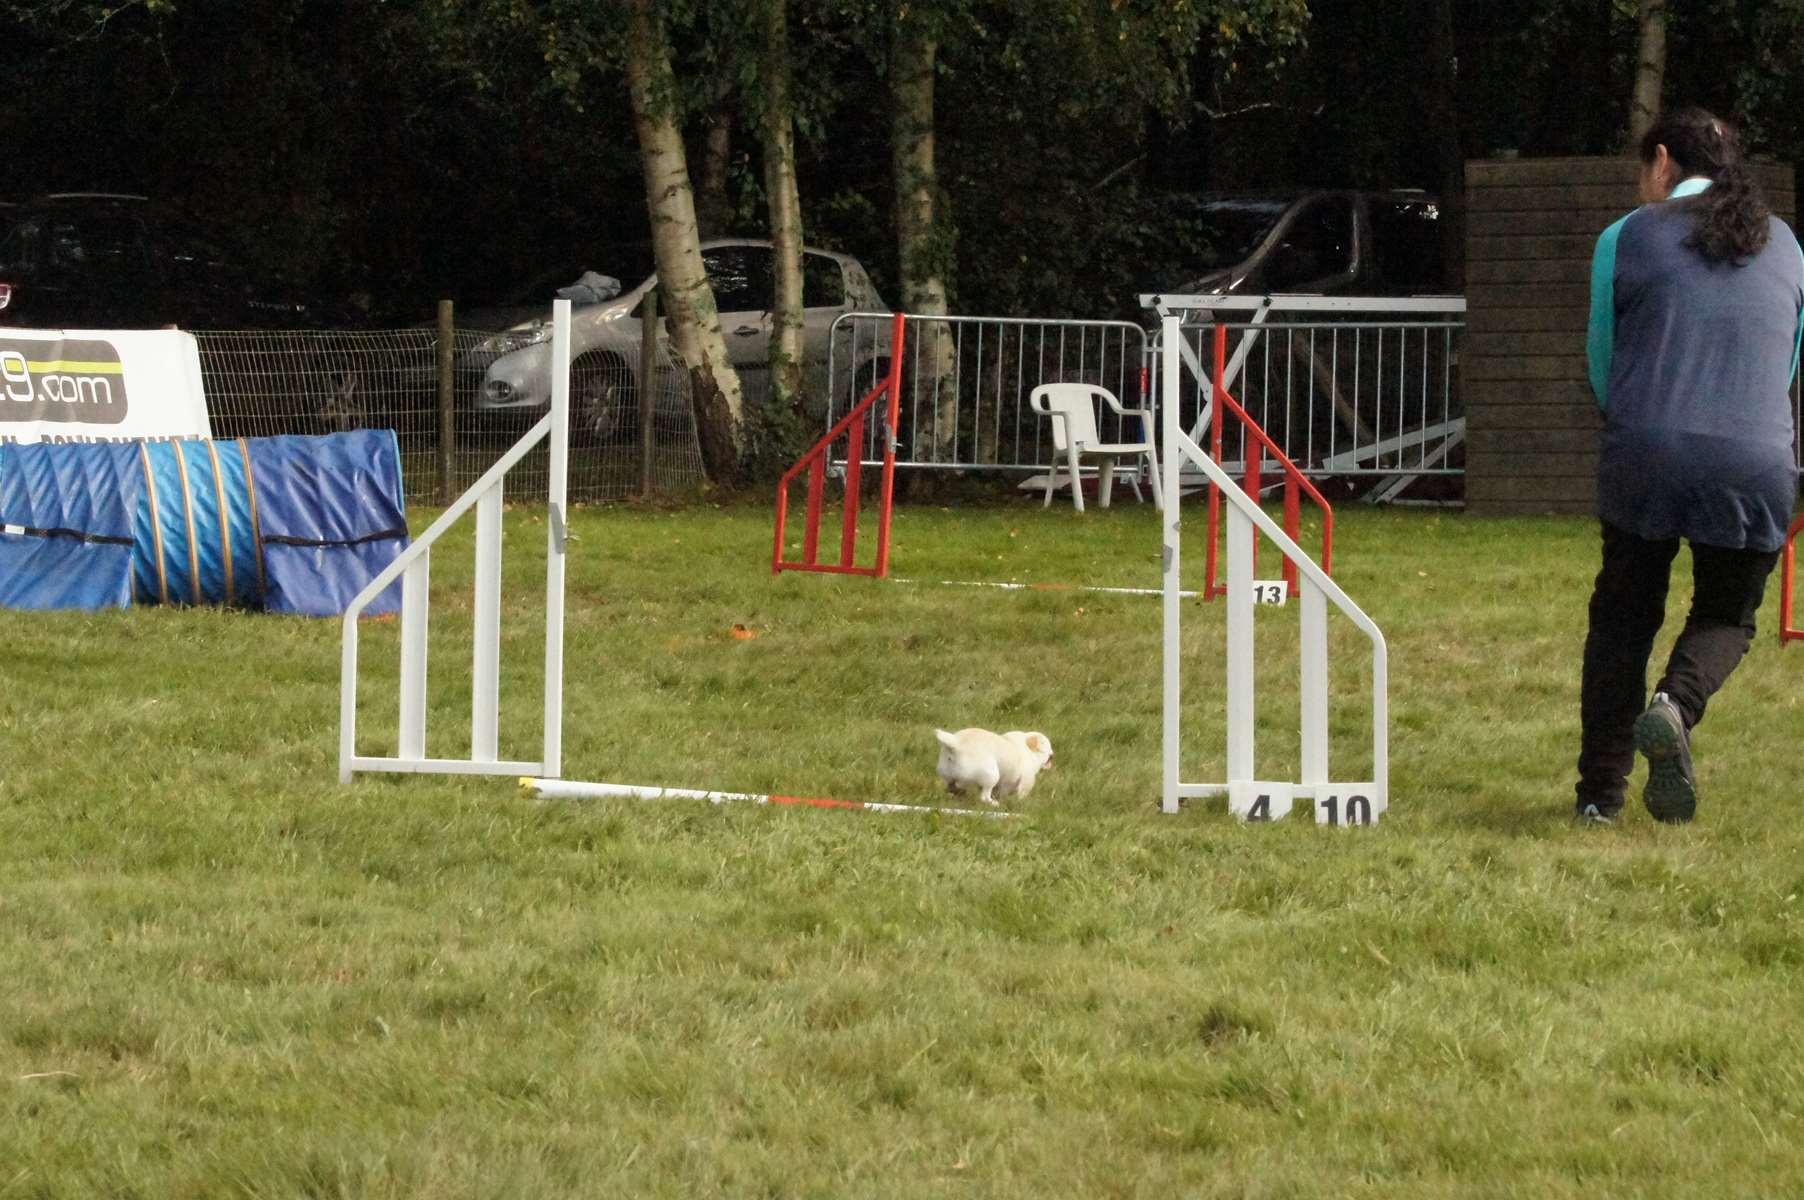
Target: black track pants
x=1628, y=604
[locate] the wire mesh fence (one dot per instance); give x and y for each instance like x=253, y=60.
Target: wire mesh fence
x=260, y=384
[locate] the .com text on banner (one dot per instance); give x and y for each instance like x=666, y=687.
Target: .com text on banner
x=66, y=385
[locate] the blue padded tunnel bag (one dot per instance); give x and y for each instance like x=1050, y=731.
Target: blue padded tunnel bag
x=332, y=515
x=287, y=524
x=66, y=515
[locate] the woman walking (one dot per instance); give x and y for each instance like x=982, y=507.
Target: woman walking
x=1697, y=299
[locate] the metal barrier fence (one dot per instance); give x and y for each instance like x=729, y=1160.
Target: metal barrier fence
x=310, y=382
x=1345, y=386
x=1358, y=392
x=966, y=384
x=1359, y=398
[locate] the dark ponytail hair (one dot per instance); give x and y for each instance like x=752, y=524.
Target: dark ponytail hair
x=1732, y=223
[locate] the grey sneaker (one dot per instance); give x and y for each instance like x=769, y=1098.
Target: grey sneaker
x=1590, y=814
x=1672, y=790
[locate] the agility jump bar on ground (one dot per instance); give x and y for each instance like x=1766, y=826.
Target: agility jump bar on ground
x=575, y=789
x=1044, y=587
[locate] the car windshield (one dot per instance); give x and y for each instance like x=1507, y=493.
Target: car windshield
x=1224, y=231
x=96, y=239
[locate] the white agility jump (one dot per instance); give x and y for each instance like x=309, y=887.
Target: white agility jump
x=413, y=567
x=1335, y=803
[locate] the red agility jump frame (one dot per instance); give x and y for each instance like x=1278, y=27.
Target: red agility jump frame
x=1788, y=563
x=1294, y=479
x=852, y=425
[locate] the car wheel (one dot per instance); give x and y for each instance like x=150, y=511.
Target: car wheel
x=604, y=398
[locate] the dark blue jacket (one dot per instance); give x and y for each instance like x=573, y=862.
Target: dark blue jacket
x=1692, y=363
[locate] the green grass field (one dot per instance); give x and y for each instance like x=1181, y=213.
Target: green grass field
x=227, y=975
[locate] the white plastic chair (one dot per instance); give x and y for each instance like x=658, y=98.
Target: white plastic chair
x=1074, y=434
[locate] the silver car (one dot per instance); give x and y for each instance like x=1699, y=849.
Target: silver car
x=605, y=330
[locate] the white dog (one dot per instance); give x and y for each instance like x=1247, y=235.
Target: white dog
x=996, y=764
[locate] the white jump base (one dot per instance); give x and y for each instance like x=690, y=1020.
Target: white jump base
x=576, y=789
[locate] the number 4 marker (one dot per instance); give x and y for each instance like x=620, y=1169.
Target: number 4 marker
x=1253, y=800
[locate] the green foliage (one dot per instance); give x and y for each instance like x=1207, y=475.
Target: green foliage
x=776, y=434
x=1769, y=80
x=81, y=20
x=458, y=147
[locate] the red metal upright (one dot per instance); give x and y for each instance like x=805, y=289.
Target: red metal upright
x=1258, y=445
x=852, y=427
x=1210, y=588
x=1788, y=563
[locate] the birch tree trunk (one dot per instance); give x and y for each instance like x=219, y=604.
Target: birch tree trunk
x=693, y=319
x=1650, y=70
x=785, y=213
x=920, y=236
x=713, y=211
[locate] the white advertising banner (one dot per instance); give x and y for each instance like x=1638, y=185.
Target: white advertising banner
x=79, y=385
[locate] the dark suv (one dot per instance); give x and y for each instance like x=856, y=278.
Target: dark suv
x=1365, y=243
x=106, y=261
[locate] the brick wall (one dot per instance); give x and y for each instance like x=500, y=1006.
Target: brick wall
x=1531, y=421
